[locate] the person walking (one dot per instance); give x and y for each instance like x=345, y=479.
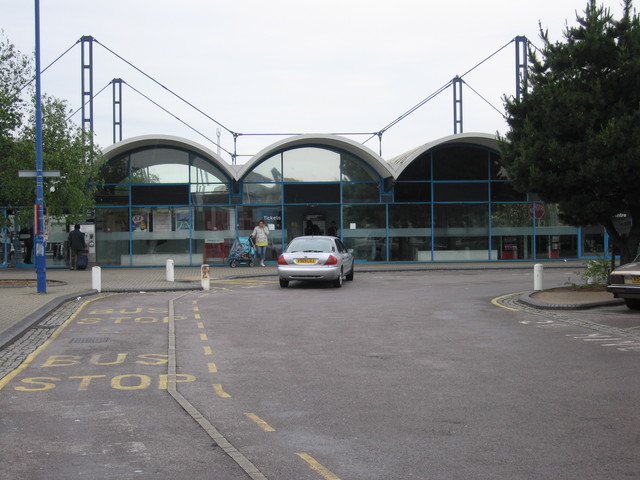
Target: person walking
x=260, y=237
x=76, y=245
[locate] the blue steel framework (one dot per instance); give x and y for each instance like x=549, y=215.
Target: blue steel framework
x=451, y=202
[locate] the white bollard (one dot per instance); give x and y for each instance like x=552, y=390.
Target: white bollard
x=204, y=277
x=170, y=273
x=538, y=270
x=96, y=279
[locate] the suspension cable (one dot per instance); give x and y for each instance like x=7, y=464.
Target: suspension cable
x=166, y=88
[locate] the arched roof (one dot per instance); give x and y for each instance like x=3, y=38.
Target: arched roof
x=372, y=159
x=143, y=141
x=480, y=139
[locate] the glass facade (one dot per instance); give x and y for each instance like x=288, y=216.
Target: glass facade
x=451, y=202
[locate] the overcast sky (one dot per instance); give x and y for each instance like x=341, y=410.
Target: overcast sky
x=288, y=66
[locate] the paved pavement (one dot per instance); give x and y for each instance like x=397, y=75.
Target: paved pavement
x=21, y=306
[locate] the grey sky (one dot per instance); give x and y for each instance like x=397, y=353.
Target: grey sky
x=289, y=66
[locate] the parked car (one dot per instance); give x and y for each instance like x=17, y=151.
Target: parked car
x=624, y=282
x=316, y=258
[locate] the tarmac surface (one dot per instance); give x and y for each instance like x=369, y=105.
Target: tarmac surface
x=21, y=306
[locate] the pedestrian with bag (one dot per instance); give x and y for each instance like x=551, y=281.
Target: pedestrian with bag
x=77, y=245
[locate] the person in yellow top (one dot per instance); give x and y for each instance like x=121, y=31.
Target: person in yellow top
x=260, y=237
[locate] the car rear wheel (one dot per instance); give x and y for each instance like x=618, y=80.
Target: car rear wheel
x=284, y=283
x=350, y=274
x=338, y=281
x=632, y=303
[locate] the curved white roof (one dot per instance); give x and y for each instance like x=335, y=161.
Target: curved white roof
x=169, y=141
x=375, y=161
x=481, y=139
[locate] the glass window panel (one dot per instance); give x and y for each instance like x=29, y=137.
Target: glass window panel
x=160, y=165
x=311, y=164
x=458, y=215
x=207, y=194
x=270, y=170
x=460, y=163
x=460, y=192
x=112, y=236
x=203, y=171
x=213, y=233
x=511, y=215
x=160, y=194
x=412, y=192
x=593, y=241
x=409, y=233
x=112, y=195
x=353, y=170
x=364, y=230
x=504, y=192
x=420, y=169
x=262, y=193
x=360, y=192
x=248, y=218
x=116, y=171
x=312, y=193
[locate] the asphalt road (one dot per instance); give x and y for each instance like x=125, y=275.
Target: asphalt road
x=395, y=375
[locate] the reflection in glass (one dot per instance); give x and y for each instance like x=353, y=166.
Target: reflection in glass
x=261, y=193
x=270, y=170
x=203, y=171
x=410, y=233
x=311, y=165
x=160, y=165
x=207, y=194
x=364, y=230
x=360, y=192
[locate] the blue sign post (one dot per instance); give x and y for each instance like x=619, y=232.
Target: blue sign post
x=40, y=253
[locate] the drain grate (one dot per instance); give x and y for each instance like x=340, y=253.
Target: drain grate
x=90, y=340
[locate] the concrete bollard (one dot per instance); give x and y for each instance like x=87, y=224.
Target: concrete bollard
x=170, y=273
x=538, y=270
x=96, y=279
x=204, y=277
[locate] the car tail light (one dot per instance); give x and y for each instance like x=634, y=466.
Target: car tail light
x=616, y=279
x=331, y=260
x=282, y=261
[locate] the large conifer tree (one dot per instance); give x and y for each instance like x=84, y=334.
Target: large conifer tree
x=574, y=136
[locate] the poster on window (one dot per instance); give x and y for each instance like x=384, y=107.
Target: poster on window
x=139, y=222
x=183, y=220
x=162, y=221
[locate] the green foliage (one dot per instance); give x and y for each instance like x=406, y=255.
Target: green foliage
x=596, y=271
x=63, y=146
x=574, y=137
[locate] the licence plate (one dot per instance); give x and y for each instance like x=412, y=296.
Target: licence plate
x=635, y=279
x=305, y=260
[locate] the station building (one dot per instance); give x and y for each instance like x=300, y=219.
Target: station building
x=164, y=197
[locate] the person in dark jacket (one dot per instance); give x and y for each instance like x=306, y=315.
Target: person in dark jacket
x=76, y=245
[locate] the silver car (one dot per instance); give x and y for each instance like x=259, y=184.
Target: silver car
x=315, y=258
x=624, y=282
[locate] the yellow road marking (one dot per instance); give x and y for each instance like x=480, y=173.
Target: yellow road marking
x=496, y=301
x=196, y=309
x=326, y=474
x=263, y=425
x=217, y=387
x=212, y=367
x=200, y=325
x=207, y=350
x=32, y=356
x=197, y=316
x=203, y=337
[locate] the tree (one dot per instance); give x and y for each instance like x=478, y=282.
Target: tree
x=63, y=146
x=574, y=136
